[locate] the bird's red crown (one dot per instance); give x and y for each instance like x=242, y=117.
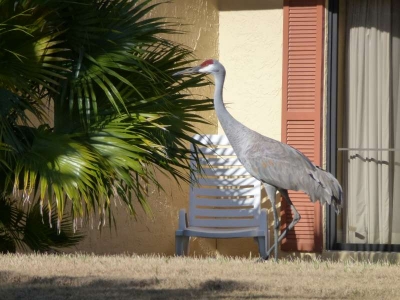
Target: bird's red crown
x=206, y=63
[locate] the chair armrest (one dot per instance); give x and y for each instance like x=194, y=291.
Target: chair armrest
x=182, y=219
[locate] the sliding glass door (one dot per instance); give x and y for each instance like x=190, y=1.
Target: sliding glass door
x=368, y=125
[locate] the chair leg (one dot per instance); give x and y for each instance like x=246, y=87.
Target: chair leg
x=262, y=246
x=186, y=245
x=181, y=245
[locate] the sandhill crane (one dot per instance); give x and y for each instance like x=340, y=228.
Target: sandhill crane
x=277, y=165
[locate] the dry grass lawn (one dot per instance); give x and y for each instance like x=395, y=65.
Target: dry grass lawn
x=153, y=277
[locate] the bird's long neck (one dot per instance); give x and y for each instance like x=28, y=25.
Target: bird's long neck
x=219, y=105
x=232, y=128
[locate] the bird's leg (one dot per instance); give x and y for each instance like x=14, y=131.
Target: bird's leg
x=296, y=215
x=271, y=192
x=296, y=219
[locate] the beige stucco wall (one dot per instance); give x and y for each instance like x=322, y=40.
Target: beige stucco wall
x=247, y=38
x=250, y=44
x=150, y=235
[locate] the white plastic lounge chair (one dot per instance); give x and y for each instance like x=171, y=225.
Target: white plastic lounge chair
x=225, y=202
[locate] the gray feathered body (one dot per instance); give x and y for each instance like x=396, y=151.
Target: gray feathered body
x=273, y=162
x=284, y=167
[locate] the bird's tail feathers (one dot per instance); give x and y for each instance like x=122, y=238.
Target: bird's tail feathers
x=326, y=189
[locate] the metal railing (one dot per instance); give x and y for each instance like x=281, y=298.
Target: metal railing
x=369, y=149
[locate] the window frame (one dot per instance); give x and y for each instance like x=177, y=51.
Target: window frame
x=331, y=143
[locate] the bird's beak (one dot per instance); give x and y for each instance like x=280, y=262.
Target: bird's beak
x=187, y=71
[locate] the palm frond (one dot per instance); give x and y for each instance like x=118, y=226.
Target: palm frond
x=119, y=115
x=23, y=228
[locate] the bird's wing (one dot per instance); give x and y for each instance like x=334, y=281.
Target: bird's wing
x=276, y=163
x=279, y=152
x=287, y=168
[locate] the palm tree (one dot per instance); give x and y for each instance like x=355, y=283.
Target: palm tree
x=23, y=228
x=89, y=111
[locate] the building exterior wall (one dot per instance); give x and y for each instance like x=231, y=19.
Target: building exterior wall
x=156, y=234
x=250, y=47
x=246, y=36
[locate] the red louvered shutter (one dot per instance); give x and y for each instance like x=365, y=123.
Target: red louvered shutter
x=301, y=112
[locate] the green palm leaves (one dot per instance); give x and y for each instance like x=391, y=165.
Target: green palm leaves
x=89, y=110
x=23, y=228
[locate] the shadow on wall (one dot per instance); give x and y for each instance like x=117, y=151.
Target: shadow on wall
x=232, y=5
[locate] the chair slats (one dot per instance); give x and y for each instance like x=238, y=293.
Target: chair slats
x=212, y=139
x=226, y=223
x=224, y=199
x=231, y=213
x=227, y=182
x=218, y=151
x=225, y=202
x=223, y=192
x=236, y=171
x=220, y=161
x=223, y=183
